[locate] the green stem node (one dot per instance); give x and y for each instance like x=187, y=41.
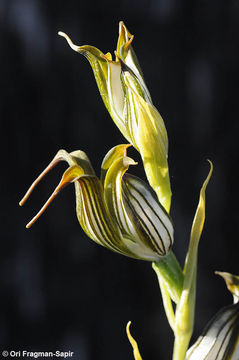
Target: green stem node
x=170, y=273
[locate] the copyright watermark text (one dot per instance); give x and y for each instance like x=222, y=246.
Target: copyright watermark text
x=37, y=354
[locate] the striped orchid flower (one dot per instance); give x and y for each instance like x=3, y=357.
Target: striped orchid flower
x=125, y=95
x=220, y=339
x=119, y=210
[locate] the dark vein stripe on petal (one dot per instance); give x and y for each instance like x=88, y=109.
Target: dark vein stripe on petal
x=96, y=213
x=133, y=202
x=153, y=203
x=151, y=209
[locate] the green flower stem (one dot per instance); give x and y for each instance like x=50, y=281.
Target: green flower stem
x=167, y=303
x=184, y=321
x=170, y=273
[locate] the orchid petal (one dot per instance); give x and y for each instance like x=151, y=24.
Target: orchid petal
x=114, y=197
x=116, y=96
x=135, y=208
x=120, y=211
x=95, y=218
x=151, y=217
x=124, y=40
x=126, y=53
x=113, y=154
x=220, y=339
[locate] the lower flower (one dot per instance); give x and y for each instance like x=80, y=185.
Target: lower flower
x=118, y=211
x=220, y=339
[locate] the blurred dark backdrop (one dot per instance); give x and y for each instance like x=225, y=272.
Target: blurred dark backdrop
x=59, y=290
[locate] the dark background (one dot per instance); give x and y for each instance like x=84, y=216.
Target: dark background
x=59, y=290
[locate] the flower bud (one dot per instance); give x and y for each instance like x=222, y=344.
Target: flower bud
x=125, y=94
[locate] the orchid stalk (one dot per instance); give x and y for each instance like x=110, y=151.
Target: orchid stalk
x=131, y=217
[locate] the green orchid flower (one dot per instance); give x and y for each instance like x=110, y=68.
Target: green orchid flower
x=220, y=339
x=119, y=210
x=125, y=95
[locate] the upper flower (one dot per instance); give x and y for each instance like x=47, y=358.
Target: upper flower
x=118, y=211
x=123, y=90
